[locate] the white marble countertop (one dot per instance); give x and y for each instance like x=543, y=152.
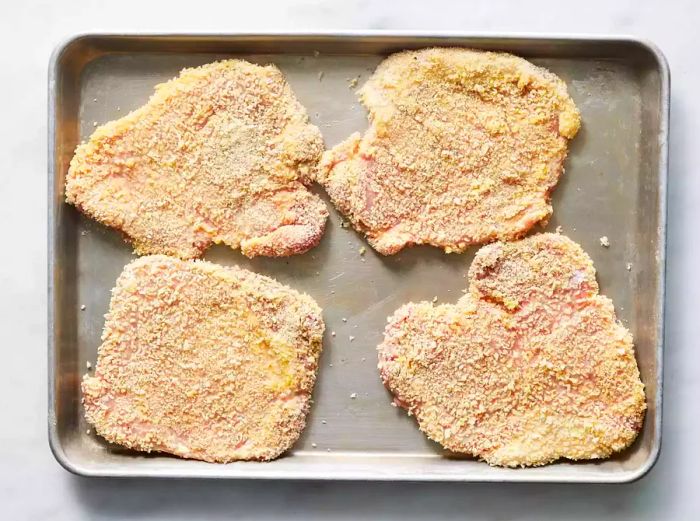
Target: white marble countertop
x=34, y=486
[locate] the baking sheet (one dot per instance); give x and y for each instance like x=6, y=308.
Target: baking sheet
x=614, y=185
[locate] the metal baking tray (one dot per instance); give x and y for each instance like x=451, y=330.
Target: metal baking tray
x=615, y=185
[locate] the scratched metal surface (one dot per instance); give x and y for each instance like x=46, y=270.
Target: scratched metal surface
x=614, y=186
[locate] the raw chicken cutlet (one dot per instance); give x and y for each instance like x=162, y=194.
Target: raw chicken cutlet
x=218, y=155
x=204, y=362
x=463, y=148
x=529, y=366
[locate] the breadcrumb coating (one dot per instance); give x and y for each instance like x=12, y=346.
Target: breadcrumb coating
x=463, y=148
x=204, y=362
x=528, y=367
x=220, y=154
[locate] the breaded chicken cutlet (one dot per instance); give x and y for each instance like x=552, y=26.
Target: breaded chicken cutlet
x=218, y=155
x=463, y=148
x=529, y=366
x=204, y=362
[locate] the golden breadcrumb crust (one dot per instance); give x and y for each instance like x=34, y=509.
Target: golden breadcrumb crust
x=204, y=362
x=529, y=366
x=219, y=154
x=463, y=148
